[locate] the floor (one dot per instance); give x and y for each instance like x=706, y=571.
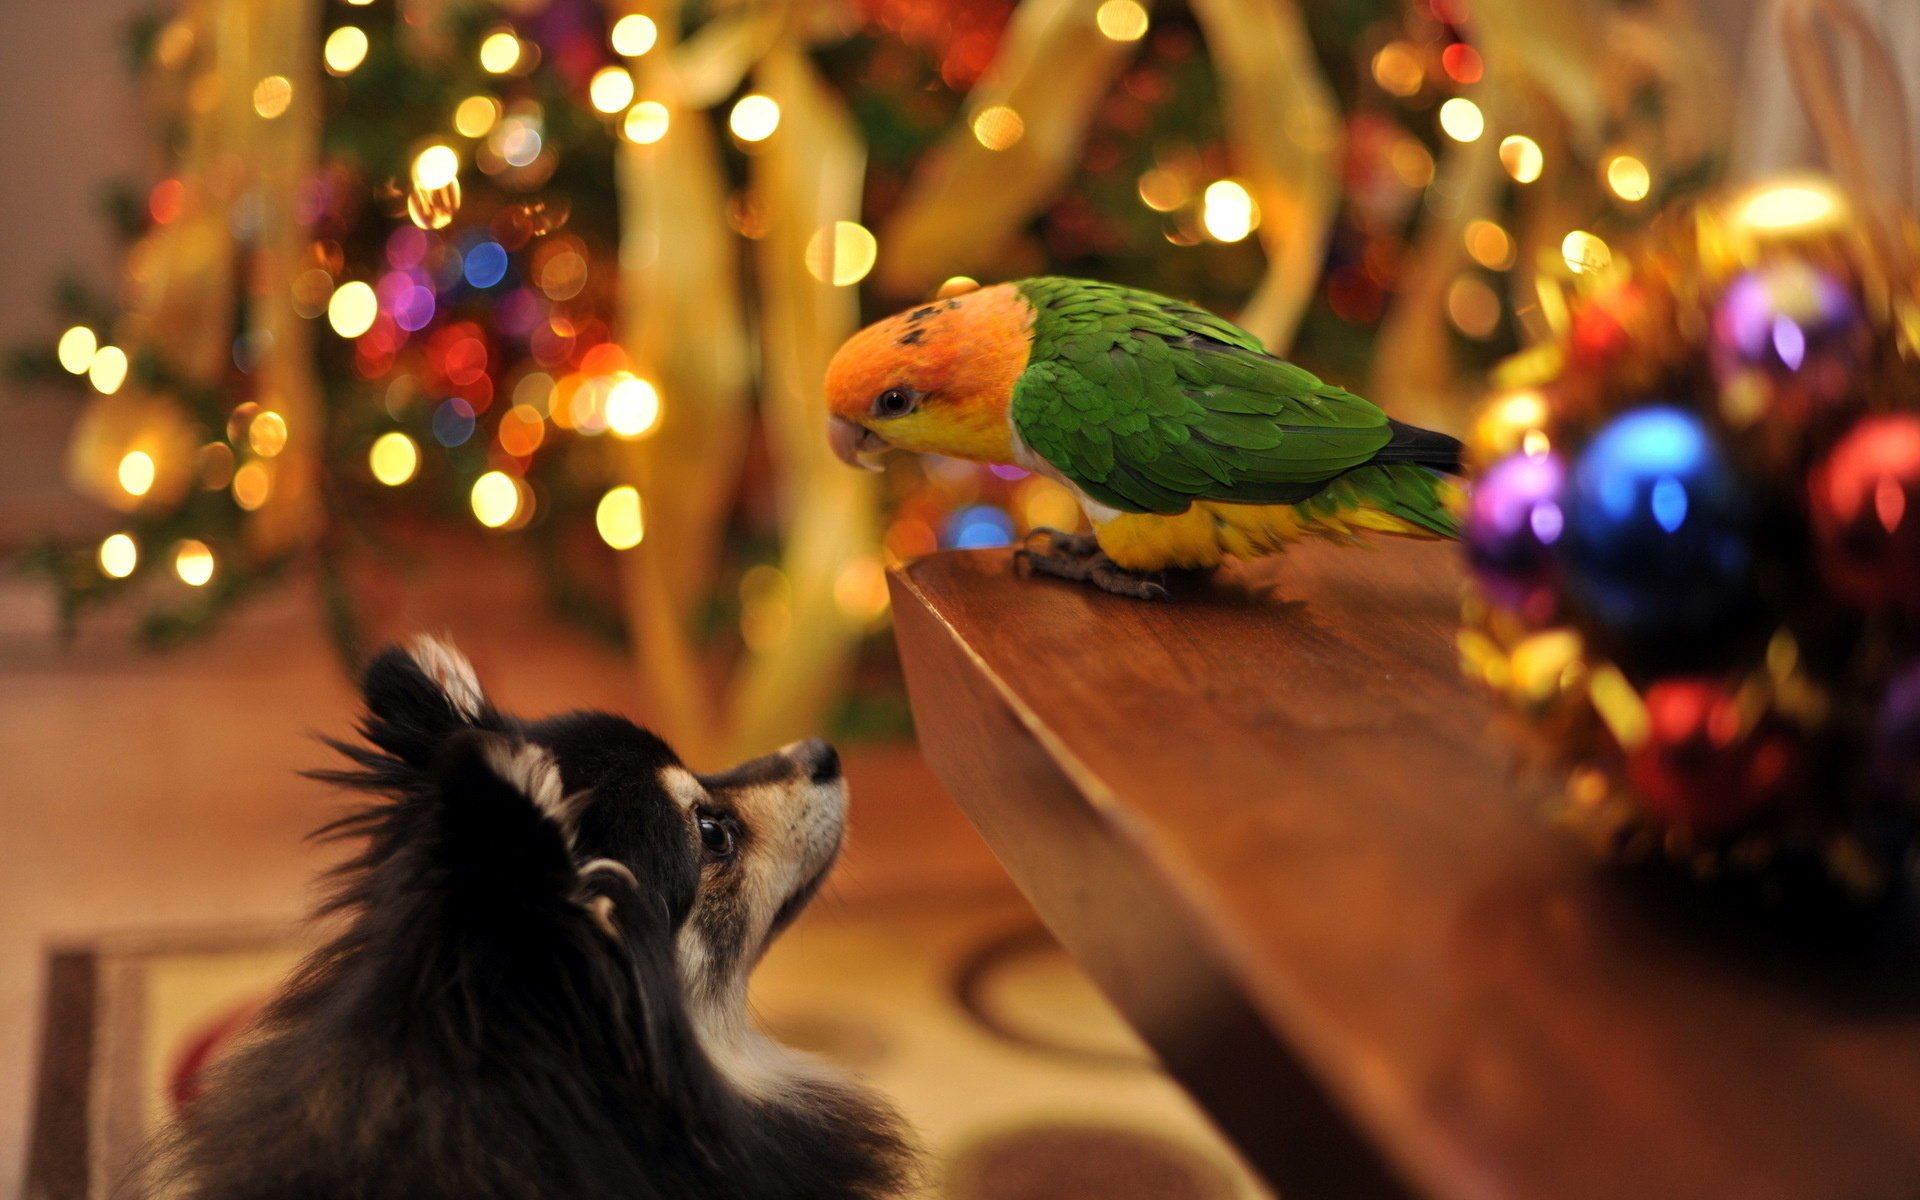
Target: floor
x=150, y=794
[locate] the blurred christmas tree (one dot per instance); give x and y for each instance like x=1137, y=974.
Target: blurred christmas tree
x=425, y=262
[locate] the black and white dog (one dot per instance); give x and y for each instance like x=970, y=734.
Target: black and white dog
x=540, y=988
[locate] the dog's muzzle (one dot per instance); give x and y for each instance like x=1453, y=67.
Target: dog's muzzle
x=853, y=444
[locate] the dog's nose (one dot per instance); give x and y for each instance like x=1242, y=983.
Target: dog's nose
x=818, y=759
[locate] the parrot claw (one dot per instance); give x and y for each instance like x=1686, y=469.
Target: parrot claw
x=1091, y=566
x=1059, y=541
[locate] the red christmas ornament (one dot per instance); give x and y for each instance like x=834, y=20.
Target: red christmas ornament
x=1699, y=770
x=1864, y=500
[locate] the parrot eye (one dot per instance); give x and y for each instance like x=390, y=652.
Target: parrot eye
x=894, y=402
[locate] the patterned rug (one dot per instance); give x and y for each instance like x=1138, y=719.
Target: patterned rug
x=1021, y=1081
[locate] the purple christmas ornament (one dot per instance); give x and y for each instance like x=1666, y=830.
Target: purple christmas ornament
x=1513, y=522
x=1787, y=338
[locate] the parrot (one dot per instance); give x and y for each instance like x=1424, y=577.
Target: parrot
x=1183, y=440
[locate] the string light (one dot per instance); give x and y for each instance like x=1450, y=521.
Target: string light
x=841, y=253
x=610, y=89
x=345, y=49
x=107, y=370
x=646, y=122
x=1228, y=211
x=119, y=555
x=136, y=472
x=634, y=35
x=272, y=96
x=352, y=308
x=475, y=116
x=1585, y=253
x=495, y=499
x=1629, y=178
x=1462, y=120
x=619, y=519
x=436, y=167
x=76, y=349
x=633, y=407
x=499, y=52
x=754, y=118
x=1122, y=20
x=252, y=483
x=1522, y=158
x=998, y=127
x=193, y=562
x=393, y=458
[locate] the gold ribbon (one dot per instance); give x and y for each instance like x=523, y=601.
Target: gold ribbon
x=1284, y=127
x=181, y=303
x=684, y=326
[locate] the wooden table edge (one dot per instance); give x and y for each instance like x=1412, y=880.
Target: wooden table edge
x=1392, y=1160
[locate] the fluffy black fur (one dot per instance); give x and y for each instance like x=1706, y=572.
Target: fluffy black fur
x=475, y=1032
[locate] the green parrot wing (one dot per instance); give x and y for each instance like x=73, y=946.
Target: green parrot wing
x=1148, y=404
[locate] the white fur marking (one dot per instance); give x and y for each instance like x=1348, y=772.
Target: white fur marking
x=682, y=786
x=450, y=669
x=611, y=867
x=531, y=770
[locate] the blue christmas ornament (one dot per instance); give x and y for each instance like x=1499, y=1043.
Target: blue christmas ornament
x=1657, y=526
x=1513, y=524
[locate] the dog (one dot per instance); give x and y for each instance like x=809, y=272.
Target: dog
x=538, y=986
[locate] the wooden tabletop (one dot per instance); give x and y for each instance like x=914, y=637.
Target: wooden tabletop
x=1278, y=828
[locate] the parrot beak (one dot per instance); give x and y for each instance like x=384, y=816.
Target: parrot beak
x=852, y=443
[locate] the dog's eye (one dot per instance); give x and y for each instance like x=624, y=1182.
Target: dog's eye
x=719, y=835
x=894, y=402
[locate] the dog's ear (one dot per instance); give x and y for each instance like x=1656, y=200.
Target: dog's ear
x=419, y=696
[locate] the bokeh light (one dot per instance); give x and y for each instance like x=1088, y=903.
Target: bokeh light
x=352, y=309
x=485, y=265
x=754, y=118
x=521, y=430
x=267, y=434
x=633, y=35
x=496, y=499
x=860, y=589
x=1489, y=245
x=1522, y=158
x=1462, y=120
x=1629, y=178
x=345, y=49
x=611, y=89
x=842, y=253
x=475, y=116
x=136, y=472
x=998, y=127
x=193, y=562
x=1473, y=307
x=251, y=485
x=1790, y=206
x=1228, y=211
x=633, y=407
x=119, y=555
x=394, y=458
x=1122, y=20
x=499, y=52
x=619, y=518
x=76, y=349
x=272, y=96
x=646, y=122
x=107, y=370
x=1585, y=253
x=1397, y=69
x=436, y=167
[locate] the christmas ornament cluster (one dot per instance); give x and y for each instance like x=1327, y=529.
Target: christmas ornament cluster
x=1694, y=534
